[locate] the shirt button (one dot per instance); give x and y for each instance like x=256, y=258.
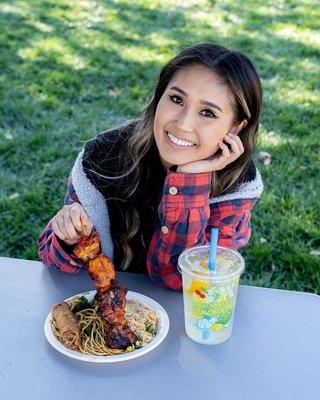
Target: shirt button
x=173, y=190
x=164, y=230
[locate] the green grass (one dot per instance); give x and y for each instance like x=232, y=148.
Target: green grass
x=70, y=69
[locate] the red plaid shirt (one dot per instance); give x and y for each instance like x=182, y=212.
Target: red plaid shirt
x=186, y=218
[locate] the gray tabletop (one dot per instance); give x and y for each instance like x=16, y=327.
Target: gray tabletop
x=273, y=353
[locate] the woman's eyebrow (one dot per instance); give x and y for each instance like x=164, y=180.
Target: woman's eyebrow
x=201, y=101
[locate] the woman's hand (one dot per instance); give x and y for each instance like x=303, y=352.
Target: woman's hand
x=218, y=161
x=71, y=223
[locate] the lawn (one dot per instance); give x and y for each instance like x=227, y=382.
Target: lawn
x=69, y=69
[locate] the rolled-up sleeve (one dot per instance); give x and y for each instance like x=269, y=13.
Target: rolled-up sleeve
x=232, y=218
x=52, y=251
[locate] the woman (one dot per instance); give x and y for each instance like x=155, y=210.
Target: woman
x=158, y=184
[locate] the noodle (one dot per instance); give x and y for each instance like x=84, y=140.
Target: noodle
x=93, y=342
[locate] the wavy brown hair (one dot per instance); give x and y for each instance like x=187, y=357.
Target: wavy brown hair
x=237, y=73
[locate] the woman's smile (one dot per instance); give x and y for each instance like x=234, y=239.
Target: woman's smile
x=176, y=142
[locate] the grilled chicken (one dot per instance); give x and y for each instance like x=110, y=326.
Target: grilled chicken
x=112, y=304
x=121, y=336
x=111, y=296
x=88, y=247
x=102, y=272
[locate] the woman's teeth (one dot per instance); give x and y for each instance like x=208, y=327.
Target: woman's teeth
x=179, y=142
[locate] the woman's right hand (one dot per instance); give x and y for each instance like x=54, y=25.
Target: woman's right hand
x=71, y=223
x=218, y=161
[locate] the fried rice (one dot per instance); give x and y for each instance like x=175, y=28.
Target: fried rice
x=141, y=320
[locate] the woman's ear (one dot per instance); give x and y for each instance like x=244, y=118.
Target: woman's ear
x=238, y=128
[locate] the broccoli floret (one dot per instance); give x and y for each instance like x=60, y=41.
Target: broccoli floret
x=81, y=304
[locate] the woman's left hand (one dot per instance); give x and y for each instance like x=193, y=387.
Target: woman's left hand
x=216, y=162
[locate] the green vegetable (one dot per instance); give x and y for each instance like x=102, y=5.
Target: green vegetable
x=150, y=328
x=88, y=330
x=81, y=304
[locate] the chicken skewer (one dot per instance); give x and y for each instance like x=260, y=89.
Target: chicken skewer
x=111, y=296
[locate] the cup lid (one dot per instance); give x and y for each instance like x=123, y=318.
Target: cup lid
x=194, y=261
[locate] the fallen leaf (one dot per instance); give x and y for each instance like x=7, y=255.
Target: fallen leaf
x=263, y=240
x=115, y=91
x=264, y=157
x=315, y=252
x=8, y=136
x=273, y=267
x=274, y=79
x=14, y=195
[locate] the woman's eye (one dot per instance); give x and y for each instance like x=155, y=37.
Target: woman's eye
x=176, y=99
x=209, y=114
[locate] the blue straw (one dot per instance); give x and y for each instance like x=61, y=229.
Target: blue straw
x=213, y=248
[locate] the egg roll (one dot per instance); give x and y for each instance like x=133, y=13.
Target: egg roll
x=67, y=324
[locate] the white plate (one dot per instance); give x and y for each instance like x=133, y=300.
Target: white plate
x=162, y=330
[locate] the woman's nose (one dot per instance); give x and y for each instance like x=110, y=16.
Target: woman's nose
x=185, y=120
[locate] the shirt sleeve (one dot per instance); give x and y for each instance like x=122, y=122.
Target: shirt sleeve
x=52, y=251
x=232, y=218
x=186, y=219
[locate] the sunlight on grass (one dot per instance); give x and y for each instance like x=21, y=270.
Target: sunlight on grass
x=272, y=9
x=10, y=8
x=272, y=138
x=136, y=53
x=298, y=95
x=53, y=47
x=293, y=32
x=42, y=26
x=306, y=66
x=179, y=4
x=31, y=53
x=161, y=41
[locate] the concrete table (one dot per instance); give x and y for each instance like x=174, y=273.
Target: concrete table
x=273, y=353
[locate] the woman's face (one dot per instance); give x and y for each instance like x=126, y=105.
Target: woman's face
x=193, y=114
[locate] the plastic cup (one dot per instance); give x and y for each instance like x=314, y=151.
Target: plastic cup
x=209, y=296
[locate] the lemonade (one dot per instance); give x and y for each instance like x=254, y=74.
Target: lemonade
x=209, y=296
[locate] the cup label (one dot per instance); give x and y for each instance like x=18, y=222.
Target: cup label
x=210, y=310
x=212, y=307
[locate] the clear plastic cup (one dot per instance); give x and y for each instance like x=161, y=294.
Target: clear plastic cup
x=209, y=296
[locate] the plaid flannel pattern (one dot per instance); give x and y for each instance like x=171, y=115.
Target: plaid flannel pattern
x=51, y=250
x=186, y=219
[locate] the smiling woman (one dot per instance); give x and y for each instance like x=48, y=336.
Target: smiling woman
x=157, y=184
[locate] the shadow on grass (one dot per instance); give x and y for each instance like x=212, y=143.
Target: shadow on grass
x=107, y=69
